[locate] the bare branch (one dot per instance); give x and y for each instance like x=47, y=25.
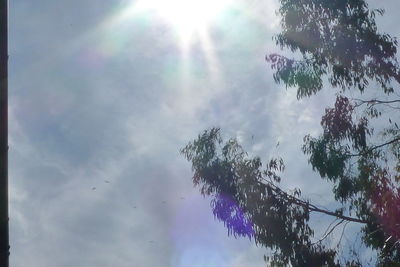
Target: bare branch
x=373, y=102
x=341, y=236
x=327, y=234
x=312, y=207
x=375, y=147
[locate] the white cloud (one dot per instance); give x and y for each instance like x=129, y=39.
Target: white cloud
x=92, y=101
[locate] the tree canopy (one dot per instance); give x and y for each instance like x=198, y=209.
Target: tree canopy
x=339, y=40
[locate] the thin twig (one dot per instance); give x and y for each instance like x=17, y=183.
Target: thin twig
x=327, y=234
x=375, y=101
x=374, y=147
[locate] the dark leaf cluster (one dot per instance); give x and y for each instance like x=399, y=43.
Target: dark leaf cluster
x=250, y=203
x=338, y=41
x=337, y=38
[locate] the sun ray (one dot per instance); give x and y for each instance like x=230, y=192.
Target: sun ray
x=187, y=17
x=213, y=65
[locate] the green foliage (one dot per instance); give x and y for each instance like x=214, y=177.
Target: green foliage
x=326, y=157
x=250, y=203
x=363, y=179
x=338, y=39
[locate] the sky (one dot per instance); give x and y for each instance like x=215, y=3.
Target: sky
x=104, y=94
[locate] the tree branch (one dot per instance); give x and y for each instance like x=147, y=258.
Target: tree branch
x=312, y=207
x=326, y=234
x=340, y=216
x=375, y=101
x=375, y=147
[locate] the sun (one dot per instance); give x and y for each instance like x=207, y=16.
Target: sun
x=187, y=17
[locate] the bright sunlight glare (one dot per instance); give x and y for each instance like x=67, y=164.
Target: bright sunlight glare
x=188, y=17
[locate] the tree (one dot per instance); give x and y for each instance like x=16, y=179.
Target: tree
x=339, y=40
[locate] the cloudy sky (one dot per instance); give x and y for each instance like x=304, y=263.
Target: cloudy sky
x=103, y=94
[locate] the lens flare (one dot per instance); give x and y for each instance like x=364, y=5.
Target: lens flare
x=188, y=17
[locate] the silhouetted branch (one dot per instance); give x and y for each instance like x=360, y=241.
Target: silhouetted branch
x=375, y=101
x=341, y=236
x=375, y=147
x=326, y=234
x=312, y=207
